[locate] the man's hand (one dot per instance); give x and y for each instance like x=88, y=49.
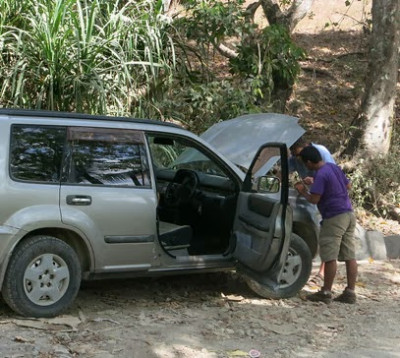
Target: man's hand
x=300, y=187
x=308, y=180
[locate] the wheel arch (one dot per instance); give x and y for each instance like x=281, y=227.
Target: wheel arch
x=70, y=237
x=270, y=289
x=309, y=234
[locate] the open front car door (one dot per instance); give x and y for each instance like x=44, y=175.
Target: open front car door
x=275, y=262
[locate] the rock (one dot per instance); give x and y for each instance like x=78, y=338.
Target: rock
x=392, y=244
x=63, y=337
x=62, y=352
x=326, y=313
x=362, y=251
x=230, y=331
x=376, y=245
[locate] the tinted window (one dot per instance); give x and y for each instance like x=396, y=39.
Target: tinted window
x=106, y=157
x=36, y=153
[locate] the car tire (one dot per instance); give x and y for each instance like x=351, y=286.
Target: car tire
x=295, y=274
x=42, y=277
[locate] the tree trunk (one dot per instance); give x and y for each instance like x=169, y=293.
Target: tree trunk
x=370, y=131
x=298, y=11
x=289, y=18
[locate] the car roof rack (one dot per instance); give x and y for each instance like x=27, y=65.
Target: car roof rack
x=76, y=115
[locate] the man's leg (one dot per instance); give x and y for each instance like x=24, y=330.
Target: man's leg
x=330, y=273
x=349, y=295
x=329, y=241
x=351, y=271
x=321, y=270
x=325, y=294
x=347, y=254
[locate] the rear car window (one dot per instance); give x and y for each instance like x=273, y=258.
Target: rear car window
x=103, y=156
x=36, y=153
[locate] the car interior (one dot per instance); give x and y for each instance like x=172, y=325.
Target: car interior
x=196, y=198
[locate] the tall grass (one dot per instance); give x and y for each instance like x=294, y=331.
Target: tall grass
x=93, y=56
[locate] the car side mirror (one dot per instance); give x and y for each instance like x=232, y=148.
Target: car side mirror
x=268, y=184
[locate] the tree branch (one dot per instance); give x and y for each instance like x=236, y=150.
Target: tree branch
x=251, y=10
x=289, y=18
x=273, y=12
x=297, y=11
x=226, y=51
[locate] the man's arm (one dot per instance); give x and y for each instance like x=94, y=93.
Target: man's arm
x=312, y=198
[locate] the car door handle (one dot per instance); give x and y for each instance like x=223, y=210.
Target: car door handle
x=79, y=200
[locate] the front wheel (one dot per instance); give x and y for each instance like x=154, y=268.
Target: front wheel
x=42, y=278
x=295, y=274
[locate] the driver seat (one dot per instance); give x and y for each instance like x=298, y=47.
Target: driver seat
x=174, y=237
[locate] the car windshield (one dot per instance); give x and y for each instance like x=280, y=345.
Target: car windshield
x=181, y=154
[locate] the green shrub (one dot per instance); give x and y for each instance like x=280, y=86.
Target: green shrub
x=125, y=57
x=362, y=188
x=270, y=58
x=200, y=105
x=266, y=58
x=90, y=56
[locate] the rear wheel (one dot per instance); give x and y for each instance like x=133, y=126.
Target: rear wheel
x=42, y=278
x=295, y=273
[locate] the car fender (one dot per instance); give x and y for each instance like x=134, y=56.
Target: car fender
x=29, y=219
x=306, y=220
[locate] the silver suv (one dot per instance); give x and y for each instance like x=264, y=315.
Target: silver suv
x=85, y=197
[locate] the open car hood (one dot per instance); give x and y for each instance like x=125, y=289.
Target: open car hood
x=239, y=139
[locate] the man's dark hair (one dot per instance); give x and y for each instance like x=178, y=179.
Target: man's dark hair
x=300, y=143
x=311, y=154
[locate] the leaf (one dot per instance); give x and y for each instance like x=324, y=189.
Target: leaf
x=23, y=339
x=237, y=353
x=232, y=297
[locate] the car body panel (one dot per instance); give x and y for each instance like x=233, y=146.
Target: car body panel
x=121, y=222
x=306, y=220
x=261, y=229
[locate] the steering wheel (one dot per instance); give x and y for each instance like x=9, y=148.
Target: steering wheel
x=182, y=187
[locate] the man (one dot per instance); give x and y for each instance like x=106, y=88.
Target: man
x=297, y=165
x=307, y=176
x=330, y=192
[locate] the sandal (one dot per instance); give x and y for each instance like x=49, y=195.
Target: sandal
x=316, y=280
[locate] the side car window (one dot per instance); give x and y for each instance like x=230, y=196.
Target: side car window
x=36, y=153
x=267, y=166
x=103, y=156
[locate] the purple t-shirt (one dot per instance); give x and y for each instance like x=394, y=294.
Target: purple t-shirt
x=331, y=183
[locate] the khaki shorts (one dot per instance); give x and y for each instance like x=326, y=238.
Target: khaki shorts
x=336, y=238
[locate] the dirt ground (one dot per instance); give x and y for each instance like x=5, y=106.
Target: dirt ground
x=213, y=316
x=216, y=315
